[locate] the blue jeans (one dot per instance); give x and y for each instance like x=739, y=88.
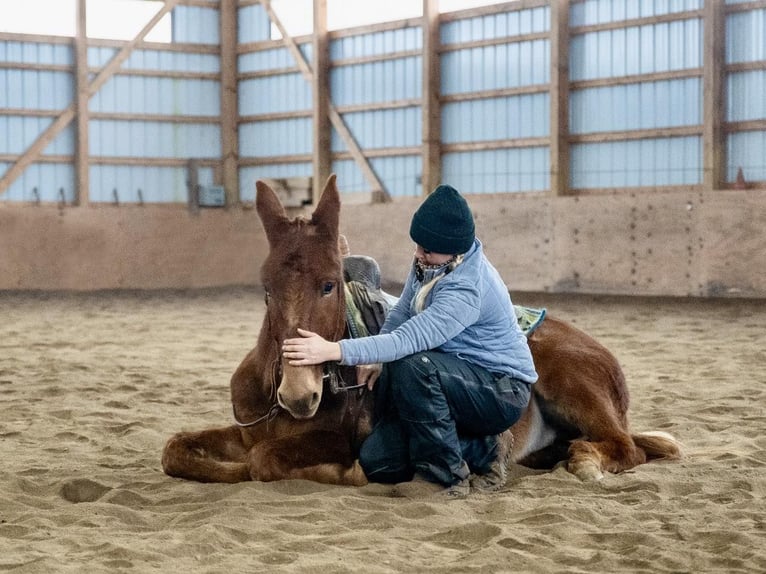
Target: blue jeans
x=433, y=411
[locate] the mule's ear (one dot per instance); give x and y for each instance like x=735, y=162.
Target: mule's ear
x=271, y=211
x=326, y=216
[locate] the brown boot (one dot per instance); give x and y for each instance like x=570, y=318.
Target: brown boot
x=497, y=476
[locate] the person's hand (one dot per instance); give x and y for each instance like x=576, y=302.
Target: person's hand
x=309, y=349
x=368, y=374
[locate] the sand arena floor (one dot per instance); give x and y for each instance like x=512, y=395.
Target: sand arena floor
x=92, y=385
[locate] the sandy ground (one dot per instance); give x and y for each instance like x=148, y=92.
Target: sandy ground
x=91, y=386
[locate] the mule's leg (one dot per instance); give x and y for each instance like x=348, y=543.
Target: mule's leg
x=320, y=456
x=214, y=455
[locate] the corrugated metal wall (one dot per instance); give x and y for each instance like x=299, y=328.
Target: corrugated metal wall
x=627, y=82
x=746, y=90
x=36, y=96
x=641, y=105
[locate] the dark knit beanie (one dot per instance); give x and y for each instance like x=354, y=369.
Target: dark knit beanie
x=443, y=223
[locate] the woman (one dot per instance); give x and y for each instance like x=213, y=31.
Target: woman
x=458, y=369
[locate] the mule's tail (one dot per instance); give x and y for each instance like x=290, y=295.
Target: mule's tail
x=658, y=445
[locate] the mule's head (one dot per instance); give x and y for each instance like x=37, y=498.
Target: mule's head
x=303, y=279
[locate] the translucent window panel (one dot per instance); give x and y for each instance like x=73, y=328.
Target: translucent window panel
x=512, y=117
x=498, y=171
x=640, y=106
x=649, y=49
x=746, y=150
x=637, y=163
x=292, y=136
x=44, y=182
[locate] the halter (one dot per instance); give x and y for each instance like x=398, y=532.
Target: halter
x=331, y=375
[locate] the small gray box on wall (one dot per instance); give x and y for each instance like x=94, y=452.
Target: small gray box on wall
x=212, y=196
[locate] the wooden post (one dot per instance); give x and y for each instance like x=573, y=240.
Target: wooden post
x=430, y=106
x=82, y=173
x=320, y=87
x=559, y=98
x=229, y=103
x=713, y=95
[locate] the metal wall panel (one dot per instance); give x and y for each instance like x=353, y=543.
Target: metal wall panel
x=376, y=129
x=249, y=175
x=196, y=25
x=18, y=133
x=513, y=117
x=745, y=100
x=649, y=162
x=170, y=61
x=641, y=106
x=646, y=49
x=746, y=150
x=498, y=171
x=350, y=178
x=746, y=96
x=152, y=95
x=376, y=44
x=746, y=36
x=133, y=184
x=276, y=138
x=512, y=23
x=272, y=59
x=46, y=182
x=510, y=65
x=253, y=24
x=272, y=94
x=36, y=53
x=35, y=89
x=136, y=139
x=376, y=82
x=401, y=175
x=591, y=12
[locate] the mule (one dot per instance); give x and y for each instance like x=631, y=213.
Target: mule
x=290, y=424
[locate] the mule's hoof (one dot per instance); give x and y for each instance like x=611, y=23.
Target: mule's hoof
x=587, y=471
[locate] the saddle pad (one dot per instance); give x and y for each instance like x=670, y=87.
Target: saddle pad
x=529, y=318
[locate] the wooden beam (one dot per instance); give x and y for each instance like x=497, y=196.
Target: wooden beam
x=637, y=22
x=559, y=98
x=713, y=144
x=430, y=107
x=34, y=151
x=495, y=144
x=81, y=169
x=496, y=93
x=632, y=135
x=320, y=89
x=378, y=190
x=229, y=102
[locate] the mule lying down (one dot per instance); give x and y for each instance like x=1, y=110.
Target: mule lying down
x=308, y=423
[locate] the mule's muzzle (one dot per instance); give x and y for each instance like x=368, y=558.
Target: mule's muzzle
x=300, y=391
x=303, y=408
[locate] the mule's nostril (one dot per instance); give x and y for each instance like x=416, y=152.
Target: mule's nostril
x=314, y=398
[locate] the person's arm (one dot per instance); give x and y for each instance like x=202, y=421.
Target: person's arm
x=453, y=307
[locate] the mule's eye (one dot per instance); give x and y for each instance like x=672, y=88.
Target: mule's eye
x=327, y=288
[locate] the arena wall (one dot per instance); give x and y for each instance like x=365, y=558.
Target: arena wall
x=694, y=243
